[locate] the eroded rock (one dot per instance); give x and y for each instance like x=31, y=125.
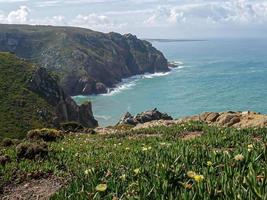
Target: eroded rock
x=147, y=116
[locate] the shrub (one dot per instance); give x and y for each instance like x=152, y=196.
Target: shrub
x=45, y=134
x=31, y=150
x=71, y=127
x=89, y=131
x=4, y=159
x=7, y=142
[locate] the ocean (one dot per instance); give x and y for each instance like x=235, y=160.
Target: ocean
x=213, y=75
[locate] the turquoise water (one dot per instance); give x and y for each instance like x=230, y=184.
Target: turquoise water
x=216, y=75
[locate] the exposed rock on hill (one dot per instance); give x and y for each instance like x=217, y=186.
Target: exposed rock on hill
x=31, y=98
x=144, y=117
x=86, y=61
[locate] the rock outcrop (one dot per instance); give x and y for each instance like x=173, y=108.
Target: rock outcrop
x=31, y=98
x=231, y=119
x=141, y=118
x=65, y=107
x=86, y=61
x=247, y=119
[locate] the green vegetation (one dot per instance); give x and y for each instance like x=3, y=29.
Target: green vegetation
x=20, y=108
x=44, y=134
x=154, y=163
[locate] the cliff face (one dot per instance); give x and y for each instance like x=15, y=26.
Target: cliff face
x=31, y=98
x=86, y=61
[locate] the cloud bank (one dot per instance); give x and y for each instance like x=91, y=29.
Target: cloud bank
x=209, y=18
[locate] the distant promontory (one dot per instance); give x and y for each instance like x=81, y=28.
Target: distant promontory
x=85, y=61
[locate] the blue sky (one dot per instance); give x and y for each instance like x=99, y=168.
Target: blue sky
x=146, y=18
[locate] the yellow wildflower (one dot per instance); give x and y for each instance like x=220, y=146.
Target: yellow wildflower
x=137, y=171
x=191, y=174
x=123, y=177
x=127, y=148
x=239, y=157
x=101, y=187
x=198, y=178
x=250, y=147
x=144, y=149
x=89, y=171
x=209, y=163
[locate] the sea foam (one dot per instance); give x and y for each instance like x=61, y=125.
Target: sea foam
x=130, y=83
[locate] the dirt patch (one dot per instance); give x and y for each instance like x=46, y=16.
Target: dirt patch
x=258, y=139
x=41, y=189
x=191, y=135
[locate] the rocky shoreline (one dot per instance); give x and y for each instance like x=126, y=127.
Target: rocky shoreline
x=154, y=118
x=239, y=119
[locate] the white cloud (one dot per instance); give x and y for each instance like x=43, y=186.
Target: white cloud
x=18, y=16
x=95, y=21
x=235, y=11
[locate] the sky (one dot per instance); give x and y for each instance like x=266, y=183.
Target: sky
x=177, y=19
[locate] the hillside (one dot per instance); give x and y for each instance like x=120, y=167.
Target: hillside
x=31, y=98
x=86, y=61
x=190, y=160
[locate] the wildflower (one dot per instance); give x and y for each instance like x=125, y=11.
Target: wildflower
x=123, y=177
x=191, y=174
x=198, y=178
x=149, y=148
x=89, y=171
x=162, y=143
x=101, y=187
x=250, y=147
x=144, y=149
x=239, y=157
x=62, y=149
x=137, y=171
x=209, y=163
x=226, y=152
x=127, y=148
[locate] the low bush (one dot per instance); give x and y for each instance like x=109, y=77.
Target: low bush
x=31, y=150
x=7, y=142
x=4, y=159
x=71, y=127
x=45, y=134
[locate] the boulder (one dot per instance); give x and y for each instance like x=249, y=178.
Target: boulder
x=203, y=116
x=212, y=117
x=228, y=119
x=147, y=116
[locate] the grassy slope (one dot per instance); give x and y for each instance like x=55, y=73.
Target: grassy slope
x=162, y=162
x=18, y=105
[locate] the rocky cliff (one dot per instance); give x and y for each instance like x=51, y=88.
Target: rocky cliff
x=87, y=62
x=31, y=98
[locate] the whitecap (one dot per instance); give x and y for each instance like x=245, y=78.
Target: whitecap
x=158, y=74
x=130, y=83
x=119, y=88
